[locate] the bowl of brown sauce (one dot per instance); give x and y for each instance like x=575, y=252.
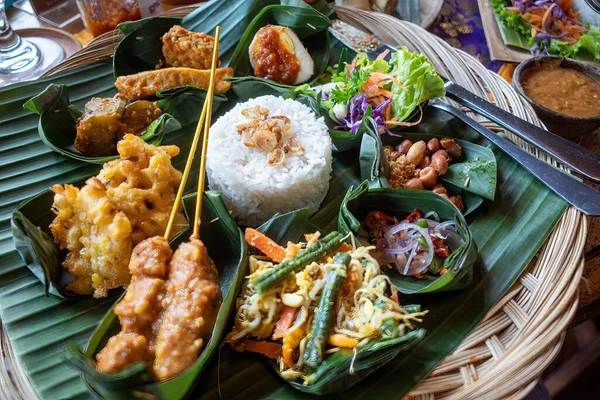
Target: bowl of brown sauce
x=564, y=93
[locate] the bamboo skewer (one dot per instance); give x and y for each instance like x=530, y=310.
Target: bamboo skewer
x=201, y=173
x=206, y=111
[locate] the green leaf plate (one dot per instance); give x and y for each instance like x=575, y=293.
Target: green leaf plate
x=309, y=24
x=226, y=246
x=399, y=203
x=477, y=164
x=58, y=118
x=333, y=375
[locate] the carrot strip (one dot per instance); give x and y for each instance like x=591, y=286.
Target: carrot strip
x=338, y=340
x=285, y=321
x=344, y=248
x=381, y=56
x=266, y=245
x=269, y=349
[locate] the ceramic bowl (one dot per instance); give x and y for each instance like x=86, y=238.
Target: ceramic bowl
x=564, y=125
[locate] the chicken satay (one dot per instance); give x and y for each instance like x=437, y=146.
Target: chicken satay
x=121, y=351
x=140, y=307
x=190, y=305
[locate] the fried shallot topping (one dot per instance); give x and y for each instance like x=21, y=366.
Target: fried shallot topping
x=269, y=133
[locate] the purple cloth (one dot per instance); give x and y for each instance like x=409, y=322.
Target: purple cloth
x=459, y=24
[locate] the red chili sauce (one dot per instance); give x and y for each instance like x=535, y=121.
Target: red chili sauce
x=274, y=61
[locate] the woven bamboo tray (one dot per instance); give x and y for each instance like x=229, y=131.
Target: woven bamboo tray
x=504, y=356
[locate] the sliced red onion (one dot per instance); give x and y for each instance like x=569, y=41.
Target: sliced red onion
x=407, y=268
x=432, y=214
x=446, y=226
x=401, y=250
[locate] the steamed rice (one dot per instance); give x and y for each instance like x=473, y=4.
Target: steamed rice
x=253, y=190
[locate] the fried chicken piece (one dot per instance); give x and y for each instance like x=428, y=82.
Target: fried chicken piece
x=121, y=351
x=129, y=201
x=145, y=84
x=183, y=48
x=191, y=303
x=96, y=234
x=138, y=115
x=99, y=127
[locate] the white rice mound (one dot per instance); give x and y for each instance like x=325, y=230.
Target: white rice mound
x=255, y=191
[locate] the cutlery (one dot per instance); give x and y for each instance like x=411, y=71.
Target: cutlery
x=578, y=194
x=578, y=158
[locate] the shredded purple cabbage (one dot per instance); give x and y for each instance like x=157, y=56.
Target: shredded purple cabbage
x=542, y=42
x=356, y=112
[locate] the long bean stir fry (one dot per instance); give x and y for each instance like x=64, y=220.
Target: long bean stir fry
x=337, y=300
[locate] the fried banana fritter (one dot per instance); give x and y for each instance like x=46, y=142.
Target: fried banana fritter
x=129, y=201
x=99, y=127
x=145, y=84
x=183, y=48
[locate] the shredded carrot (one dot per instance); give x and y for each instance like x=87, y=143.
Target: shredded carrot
x=394, y=296
x=546, y=15
x=418, y=275
x=266, y=245
x=344, y=248
x=269, y=349
x=338, y=340
x=285, y=321
x=383, y=54
x=443, y=270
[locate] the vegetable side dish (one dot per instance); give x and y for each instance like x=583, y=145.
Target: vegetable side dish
x=563, y=90
x=550, y=27
x=391, y=90
x=417, y=245
x=127, y=202
x=310, y=300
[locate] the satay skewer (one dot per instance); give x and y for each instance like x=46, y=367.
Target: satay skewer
x=205, y=116
x=201, y=173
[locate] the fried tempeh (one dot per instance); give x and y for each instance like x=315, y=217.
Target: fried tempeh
x=145, y=84
x=183, y=48
x=191, y=304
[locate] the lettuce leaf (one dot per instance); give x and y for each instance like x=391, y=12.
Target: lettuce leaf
x=511, y=19
x=421, y=82
x=587, y=48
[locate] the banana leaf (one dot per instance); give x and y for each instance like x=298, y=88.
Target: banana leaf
x=508, y=232
x=185, y=103
x=141, y=48
x=58, y=119
x=399, y=203
x=309, y=24
x=477, y=165
x=33, y=240
x=227, y=248
x=335, y=373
